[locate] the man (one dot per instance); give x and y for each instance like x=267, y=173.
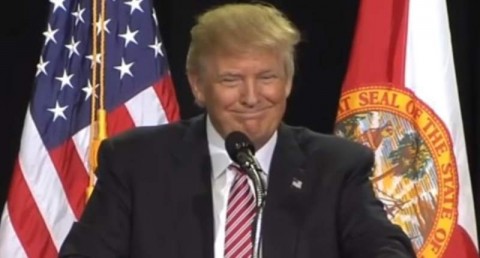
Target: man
x=171, y=191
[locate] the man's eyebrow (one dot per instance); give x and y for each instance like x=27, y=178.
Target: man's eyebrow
x=267, y=71
x=225, y=74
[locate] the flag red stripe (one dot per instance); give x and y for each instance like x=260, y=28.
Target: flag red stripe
x=72, y=174
x=387, y=63
x=26, y=219
x=118, y=121
x=166, y=93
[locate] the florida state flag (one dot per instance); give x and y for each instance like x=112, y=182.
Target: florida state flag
x=400, y=98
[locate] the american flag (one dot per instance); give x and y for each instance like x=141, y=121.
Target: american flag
x=47, y=191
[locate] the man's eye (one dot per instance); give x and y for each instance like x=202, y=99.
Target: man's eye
x=268, y=77
x=230, y=80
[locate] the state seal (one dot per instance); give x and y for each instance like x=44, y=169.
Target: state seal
x=415, y=172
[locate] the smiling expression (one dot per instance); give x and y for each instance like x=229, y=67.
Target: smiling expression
x=244, y=92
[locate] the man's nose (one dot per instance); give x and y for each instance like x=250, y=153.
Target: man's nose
x=250, y=93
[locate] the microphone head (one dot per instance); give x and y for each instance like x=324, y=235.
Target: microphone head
x=237, y=142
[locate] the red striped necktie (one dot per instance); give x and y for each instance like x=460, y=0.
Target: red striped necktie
x=240, y=216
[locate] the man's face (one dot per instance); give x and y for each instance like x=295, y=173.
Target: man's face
x=244, y=92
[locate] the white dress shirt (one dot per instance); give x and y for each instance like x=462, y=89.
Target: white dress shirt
x=222, y=179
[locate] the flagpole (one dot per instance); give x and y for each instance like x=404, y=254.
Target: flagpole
x=98, y=131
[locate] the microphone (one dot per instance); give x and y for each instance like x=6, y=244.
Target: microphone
x=241, y=151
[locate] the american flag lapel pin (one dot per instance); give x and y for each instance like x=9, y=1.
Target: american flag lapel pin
x=297, y=183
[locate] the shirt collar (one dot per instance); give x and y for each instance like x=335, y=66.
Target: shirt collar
x=219, y=156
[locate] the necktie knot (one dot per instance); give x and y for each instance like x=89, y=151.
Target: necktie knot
x=237, y=169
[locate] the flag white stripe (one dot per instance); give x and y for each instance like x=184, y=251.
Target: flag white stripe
x=145, y=108
x=430, y=73
x=10, y=245
x=42, y=179
x=81, y=140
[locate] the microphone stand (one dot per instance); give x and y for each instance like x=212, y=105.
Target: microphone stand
x=254, y=171
x=257, y=231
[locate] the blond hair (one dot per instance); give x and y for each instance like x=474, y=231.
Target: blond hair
x=241, y=27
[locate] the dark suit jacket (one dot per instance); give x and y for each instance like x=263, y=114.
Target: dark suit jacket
x=153, y=199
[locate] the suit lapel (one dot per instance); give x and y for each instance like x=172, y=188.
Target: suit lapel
x=194, y=207
x=283, y=210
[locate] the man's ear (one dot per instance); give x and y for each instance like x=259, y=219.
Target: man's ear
x=288, y=87
x=197, y=88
